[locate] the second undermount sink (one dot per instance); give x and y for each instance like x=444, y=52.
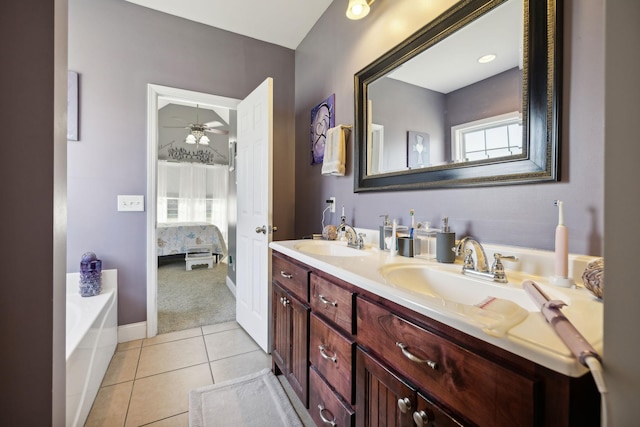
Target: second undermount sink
x=451, y=287
x=329, y=248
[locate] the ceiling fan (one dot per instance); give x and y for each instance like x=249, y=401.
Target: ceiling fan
x=198, y=131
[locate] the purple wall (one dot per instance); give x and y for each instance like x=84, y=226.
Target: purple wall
x=402, y=107
x=521, y=215
x=33, y=82
x=118, y=48
x=27, y=364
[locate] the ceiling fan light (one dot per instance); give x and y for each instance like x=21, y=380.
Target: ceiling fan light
x=204, y=140
x=190, y=139
x=358, y=9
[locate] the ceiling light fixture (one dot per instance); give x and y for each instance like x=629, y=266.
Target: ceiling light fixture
x=358, y=9
x=486, y=58
x=197, y=136
x=198, y=131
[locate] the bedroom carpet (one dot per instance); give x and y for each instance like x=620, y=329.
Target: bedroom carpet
x=189, y=299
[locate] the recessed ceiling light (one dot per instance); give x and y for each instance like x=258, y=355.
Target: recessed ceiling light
x=486, y=58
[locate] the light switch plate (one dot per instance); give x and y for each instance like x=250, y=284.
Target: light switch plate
x=130, y=203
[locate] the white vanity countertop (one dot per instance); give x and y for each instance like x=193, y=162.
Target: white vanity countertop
x=533, y=338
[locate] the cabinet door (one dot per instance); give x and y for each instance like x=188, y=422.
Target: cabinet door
x=298, y=374
x=290, y=353
x=429, y=414
x=382, y=399
x=281, y=353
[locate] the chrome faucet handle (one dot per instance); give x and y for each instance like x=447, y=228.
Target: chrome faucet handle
x=498, y=269
x=469, y=264
x=360, y=241
x=497, y=263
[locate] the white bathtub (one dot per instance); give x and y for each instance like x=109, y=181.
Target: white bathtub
x=92, y=337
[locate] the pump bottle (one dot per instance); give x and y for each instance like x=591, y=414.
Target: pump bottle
x=445, y=241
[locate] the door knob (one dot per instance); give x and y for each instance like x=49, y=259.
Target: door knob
x=264, y=229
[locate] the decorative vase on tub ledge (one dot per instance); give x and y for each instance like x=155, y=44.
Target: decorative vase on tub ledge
x=90, y=275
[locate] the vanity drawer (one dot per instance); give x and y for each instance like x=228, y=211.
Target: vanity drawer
x=325, y=406
x=333, y=302
x=332, y=354
x=291, y=276
x=469, y=384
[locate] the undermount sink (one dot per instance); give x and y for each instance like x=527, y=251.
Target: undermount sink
x=330, y=248
x=451, y=287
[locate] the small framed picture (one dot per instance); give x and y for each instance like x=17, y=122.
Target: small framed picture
x=322, y=119
x=417, y=150
x=72, y=106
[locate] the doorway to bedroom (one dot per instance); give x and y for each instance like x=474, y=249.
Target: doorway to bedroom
x=191, y=235
x=191, y=210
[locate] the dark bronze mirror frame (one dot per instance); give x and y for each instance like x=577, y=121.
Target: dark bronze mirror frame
x=542, y=77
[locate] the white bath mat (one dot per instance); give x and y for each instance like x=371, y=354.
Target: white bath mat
x=254, y=400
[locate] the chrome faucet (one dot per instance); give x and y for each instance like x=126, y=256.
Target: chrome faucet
x=354, y=239
x=481, y=268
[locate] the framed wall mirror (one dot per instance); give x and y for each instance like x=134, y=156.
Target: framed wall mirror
x=471, y=99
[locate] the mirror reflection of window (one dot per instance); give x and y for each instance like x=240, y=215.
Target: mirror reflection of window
x=489, y=138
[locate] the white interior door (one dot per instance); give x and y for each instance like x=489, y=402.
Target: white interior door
x=253, y=229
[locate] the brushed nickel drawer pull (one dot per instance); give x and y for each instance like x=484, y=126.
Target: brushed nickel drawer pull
x=326, y=301
x=413, y=358
x=333, y=358
x=324, y=419
x=286, y=275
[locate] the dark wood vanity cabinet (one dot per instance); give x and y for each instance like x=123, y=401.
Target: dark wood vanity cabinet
x=290, y=354
x=372, y=362
x=383, y=398
x=487, y=393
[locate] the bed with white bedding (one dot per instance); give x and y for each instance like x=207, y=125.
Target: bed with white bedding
x=178, y=237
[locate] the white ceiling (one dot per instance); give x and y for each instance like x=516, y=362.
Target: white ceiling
x=453, y=62
x=287, y=22
x=281, y=22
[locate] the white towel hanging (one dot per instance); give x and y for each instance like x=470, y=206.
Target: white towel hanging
x=335, y=151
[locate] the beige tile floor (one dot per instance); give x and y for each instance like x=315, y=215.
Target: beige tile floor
x=148, y=381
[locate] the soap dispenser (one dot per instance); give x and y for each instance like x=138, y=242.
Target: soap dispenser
x=445, y=241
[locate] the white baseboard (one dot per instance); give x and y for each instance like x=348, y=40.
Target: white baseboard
x=231, y=286
x=132, y=332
